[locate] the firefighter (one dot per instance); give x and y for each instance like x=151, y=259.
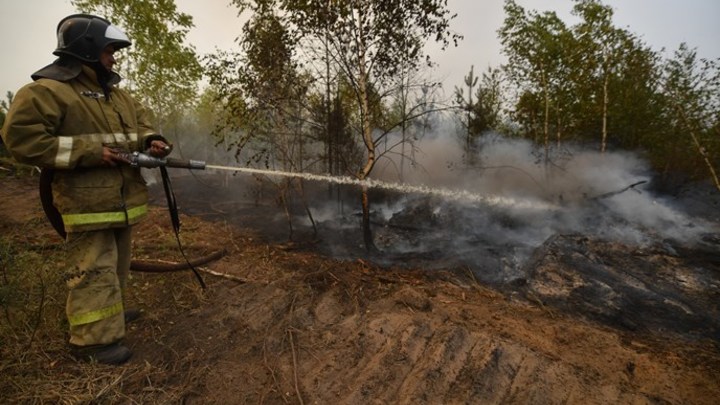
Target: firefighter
x=72, y=121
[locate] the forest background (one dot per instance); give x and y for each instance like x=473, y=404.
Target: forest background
x=346, y=88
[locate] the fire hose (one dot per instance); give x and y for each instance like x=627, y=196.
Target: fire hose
x=134, y=159
x=139, y=159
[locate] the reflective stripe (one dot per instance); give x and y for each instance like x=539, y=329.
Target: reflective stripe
x=65, y=145
x=104, y=217
x=110, y=138
x=94, y=316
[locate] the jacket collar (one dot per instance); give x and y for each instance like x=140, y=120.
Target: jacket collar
x=64, y=69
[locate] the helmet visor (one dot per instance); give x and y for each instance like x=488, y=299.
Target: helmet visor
x=116, y=37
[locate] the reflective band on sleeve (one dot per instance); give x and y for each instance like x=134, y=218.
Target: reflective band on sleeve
x=94, y=316
x=116, y=138
x=104, y=217
x=120, y=138
x=65, y=145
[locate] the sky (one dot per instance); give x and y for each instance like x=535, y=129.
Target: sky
x=28, y=31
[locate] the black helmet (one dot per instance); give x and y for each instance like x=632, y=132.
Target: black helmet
x=84, y=36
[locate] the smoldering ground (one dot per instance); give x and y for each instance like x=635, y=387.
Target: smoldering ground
x=580, y=230
x=507, y=203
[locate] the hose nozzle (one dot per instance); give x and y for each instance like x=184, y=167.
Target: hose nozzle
x=185, y=164
x=138, y=159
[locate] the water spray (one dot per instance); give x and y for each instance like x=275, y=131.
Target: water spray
x=458, y=195
x=138, y=159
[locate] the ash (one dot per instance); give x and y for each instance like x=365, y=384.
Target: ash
x=601, y=242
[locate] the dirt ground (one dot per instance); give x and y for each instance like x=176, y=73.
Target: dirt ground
x=282, y=325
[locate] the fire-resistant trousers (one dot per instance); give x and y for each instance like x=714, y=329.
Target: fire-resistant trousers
x=98, y=264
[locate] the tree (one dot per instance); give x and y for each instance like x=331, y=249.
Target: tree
x=692, y=87
x=332, y=116
x=369, y=42
x=160, y=69
x=636, y=117
x=4, y=105
x=468, y=109
x=602, y=48
x=537, y=48
x=585, y=82
x=267, y=101
x=598, y=83
x=481, y=113
x=259, y=98
x=412, y=107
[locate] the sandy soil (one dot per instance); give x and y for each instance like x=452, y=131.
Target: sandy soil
x=278, y=324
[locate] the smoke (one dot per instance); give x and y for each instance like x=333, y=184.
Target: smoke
x=491, y=215
x=601, y=194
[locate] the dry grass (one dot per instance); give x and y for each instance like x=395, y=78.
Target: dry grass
x=35, y=365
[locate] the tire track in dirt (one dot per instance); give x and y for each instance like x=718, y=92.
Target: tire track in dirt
x=376, y=343
x=302, y=326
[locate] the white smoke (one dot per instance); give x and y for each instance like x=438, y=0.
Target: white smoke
x=591, y=191
x=493, y=214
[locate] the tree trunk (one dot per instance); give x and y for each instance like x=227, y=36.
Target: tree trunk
x=701, y=149
x=283, y=189
x=363, y=82
x=328, y=136
x=367, y=232
x=546, y=125
x=606, y=100
x=403, y=106
x=301, y=190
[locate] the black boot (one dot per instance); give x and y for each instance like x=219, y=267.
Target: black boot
x=113, y=354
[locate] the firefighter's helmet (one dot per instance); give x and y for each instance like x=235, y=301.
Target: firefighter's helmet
x=84, y=36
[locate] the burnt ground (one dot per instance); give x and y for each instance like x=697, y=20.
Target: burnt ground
x=662, y=283
x=313, y=319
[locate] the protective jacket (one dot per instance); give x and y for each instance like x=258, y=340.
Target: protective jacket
x=61, y=121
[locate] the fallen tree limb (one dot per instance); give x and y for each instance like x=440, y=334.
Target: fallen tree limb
x=226, y=276
x=164, y=267
x=612, y=193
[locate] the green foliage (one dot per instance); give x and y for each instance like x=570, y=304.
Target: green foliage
x=4, y=105
x=599, y=84
x=3, y=111
x=162, y=71
x=365, y=44
x=264, y=103
x=691, y=88
x=694, y=84
x=537, y=47
x=480, y=110
x=333, y=128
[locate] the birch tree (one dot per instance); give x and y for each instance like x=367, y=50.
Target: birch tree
x=369, y=42
x=693, y=87
x=536, y=47
x=602, y=48
x=159, y=67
